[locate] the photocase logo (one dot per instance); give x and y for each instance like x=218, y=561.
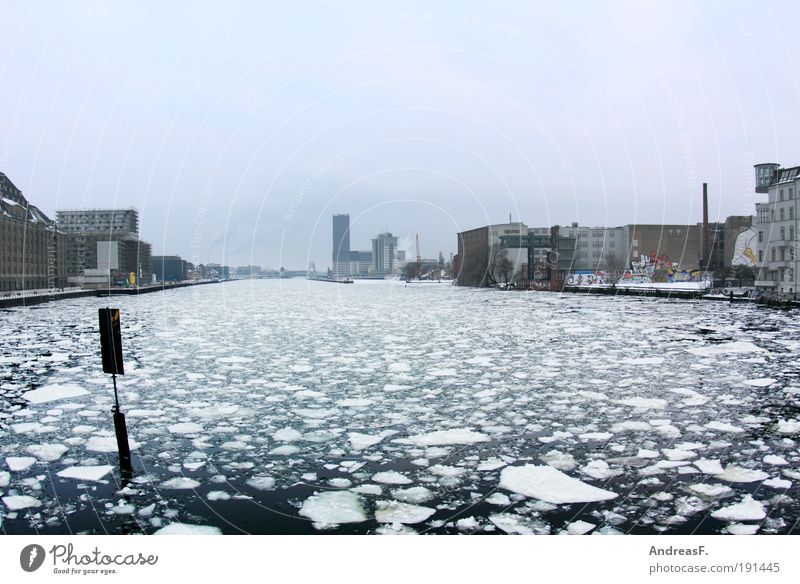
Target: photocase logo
x=31, y=557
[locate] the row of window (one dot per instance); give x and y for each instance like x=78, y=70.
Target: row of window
x=783, y=234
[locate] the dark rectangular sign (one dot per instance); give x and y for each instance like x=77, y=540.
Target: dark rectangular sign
x=111, y=341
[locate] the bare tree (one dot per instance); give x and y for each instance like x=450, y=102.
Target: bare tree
x=615, y=267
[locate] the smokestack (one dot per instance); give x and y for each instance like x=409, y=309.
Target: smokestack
x=706, y=262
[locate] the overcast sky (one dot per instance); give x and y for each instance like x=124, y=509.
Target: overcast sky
x=238, y=128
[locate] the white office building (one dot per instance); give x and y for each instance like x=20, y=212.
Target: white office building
x=776, y=225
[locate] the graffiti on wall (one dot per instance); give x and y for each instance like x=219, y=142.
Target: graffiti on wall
x=587, y=278
x=649, y=269
x=744, y=249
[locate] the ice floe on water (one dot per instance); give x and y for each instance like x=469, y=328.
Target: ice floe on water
x=445, y=437
x=331, y=508
x=54, y=392
x=550, y=485
x=253, y=400
x=399, y=512
x=85, y=473
x=185, y=529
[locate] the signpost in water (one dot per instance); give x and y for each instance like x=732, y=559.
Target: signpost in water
x=111, y=347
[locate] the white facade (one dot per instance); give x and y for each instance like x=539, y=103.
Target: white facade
x=384, y=255
x=776, y=223
x=517, y=256
x=597, y=248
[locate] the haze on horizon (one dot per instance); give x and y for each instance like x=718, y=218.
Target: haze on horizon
x=237, y=129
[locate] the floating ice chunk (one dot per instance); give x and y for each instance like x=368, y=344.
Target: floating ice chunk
x=642, y=361
x=550, y=485
x=559, y=435
x=17, y=463
x=643, y=402
x=339, y=482
x=724, y=427
x=147, y=511
x=316, y=413
x=287, y=435
x=261, y=483
x=763, y=382
x=777, y=483
x=180, y=483
x=593, y=395
x=711, y=491
x=443, y=437
x=726, y=349
x=17, y=502
x=362, y=441
x=580, y=527
x=599, y=469
x=788, y=427
x=85, y=473
x=237, y=360
x=54, y=392
x=559, y=460
x=332, y=508
x=5, y=478
x=679, y=454
x=645, y=453
x=182, y=428
x=308, y=393
x=512, y=523
x=775, y=460
x=390, y=477
x=355, y=403
x=123, y=509
x=747, y=510
x=467, y=524
x=631, y=426
x=491, y=464
x=446, y=471
x=107, y=444
x=601, y=436
x=742, y=528
x=711, y=467
x=368, y=489
x=47, y=452
x=737, y=474
x=187, y=529
x=218, y=496
x=234, y=446
x=498, y=499
x=413, y=495
x=285, y=450
x=398, y=512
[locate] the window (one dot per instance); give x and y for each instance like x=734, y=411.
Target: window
x=783, y=233
x=760, y=255
x=783, y=254
x=791, y=232
x=773, y=254
x=782, y=214
x=791, y=213
x=781, y=194
x=760, y=237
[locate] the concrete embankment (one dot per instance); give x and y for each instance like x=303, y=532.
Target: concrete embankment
x=40, y=298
